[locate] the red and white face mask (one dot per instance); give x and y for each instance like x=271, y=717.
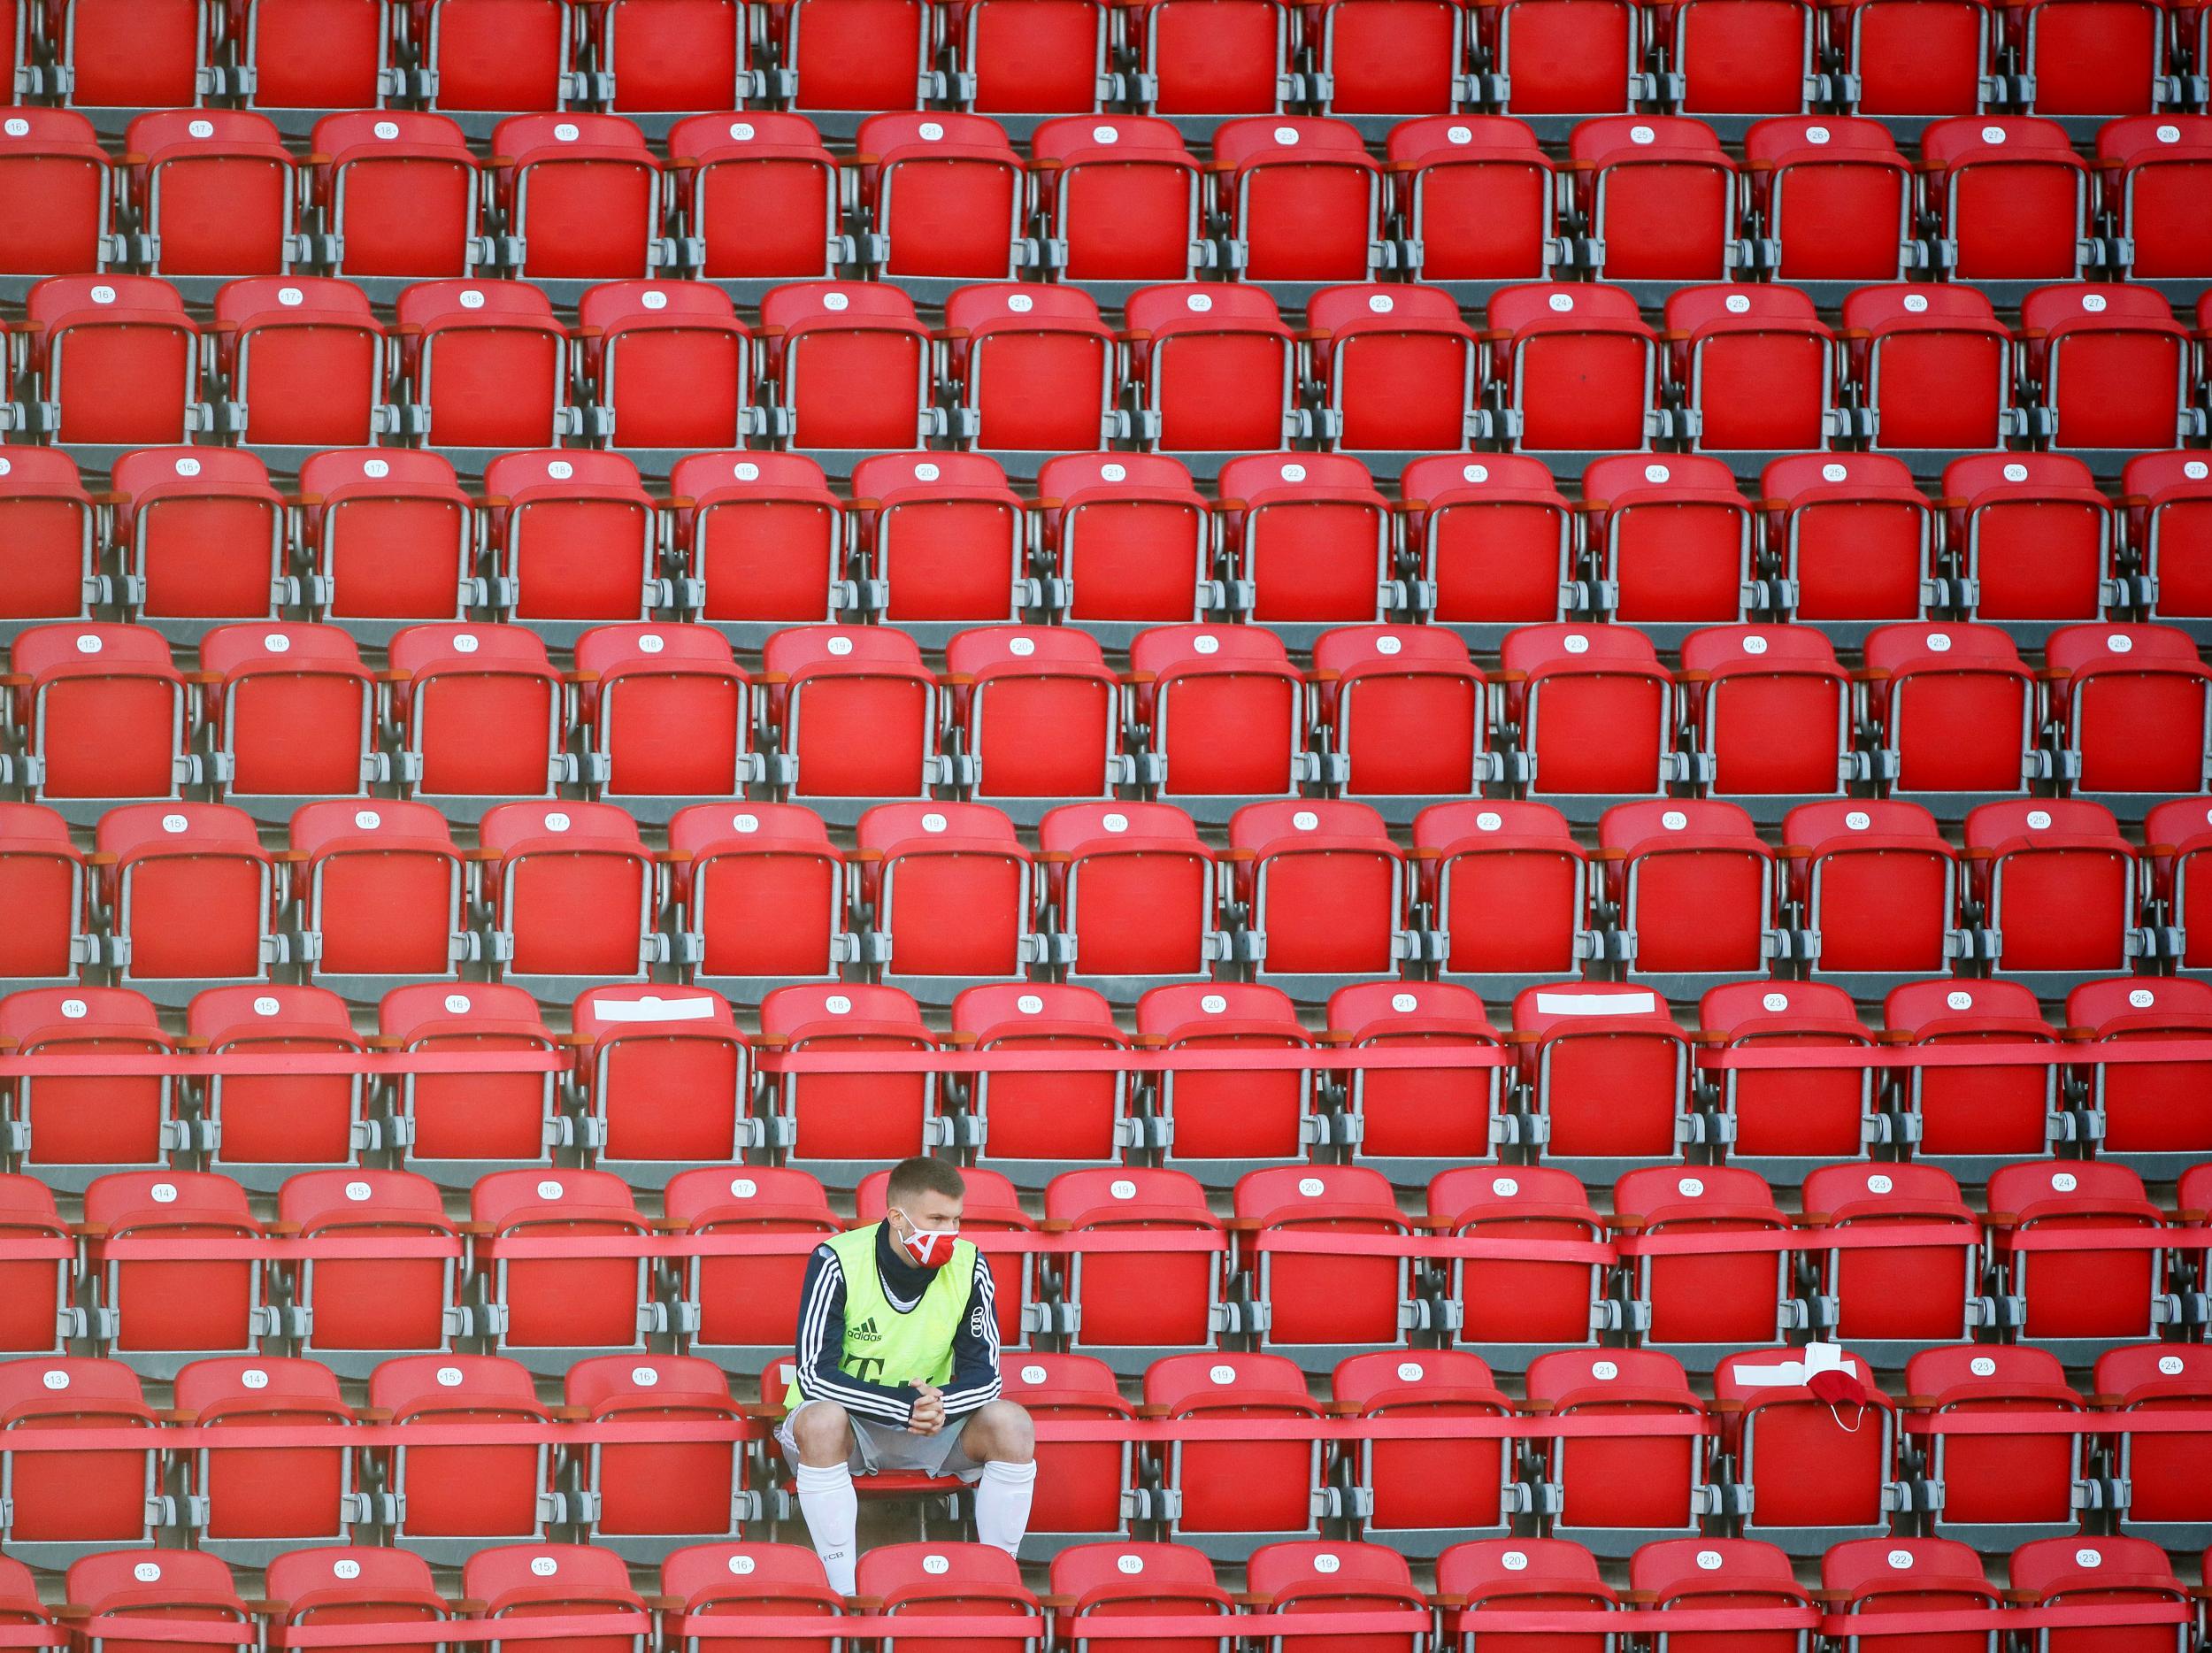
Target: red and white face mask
x=930, y=1248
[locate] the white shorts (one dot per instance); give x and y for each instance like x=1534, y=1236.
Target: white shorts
x=879, y=1447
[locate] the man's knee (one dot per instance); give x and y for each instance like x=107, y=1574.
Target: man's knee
x=1003, y=1432
x=823, y=1431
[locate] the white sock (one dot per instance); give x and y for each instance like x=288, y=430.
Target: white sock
x=832, y=1508
x=1002, y=1504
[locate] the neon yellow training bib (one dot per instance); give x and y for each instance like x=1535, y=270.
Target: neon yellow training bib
x=883, y=1346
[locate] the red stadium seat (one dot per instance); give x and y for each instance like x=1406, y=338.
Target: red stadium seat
x=1629, y=1488
x=1935, y=362
x=1212, y=366
x=2077, y=1288
x=646, y=1490
x=1129, y=1580
x=1243, y=1486
x=118, y=1585
x=2011, y=197
x=831, y=1121
x=1316, y=1303
x=2032, y=536
x=757, y=538
x=2146, y=1107
x=762, y=891
x=1405, y=708
x=944, y=194
x=1038, y=711
x=1595, y=709
x=1025, y=59
x=1771, y=708
x=552, y=1306
x=1573, y=366
x=2092, y=56
x=254, y=1121
x=63, y=1123
x=454, y=1122
x=311, y=54
x=2167, y=501
x=851, y=54
x=1299, y=197
x=2114, y=1573
x=748, y=1303
x=384, y=535
x=192, y=895
x=1322, y=887
x=1512, y=1308
x=1814, y=1470
x=1741, y=60
x=1696, y=1304
x=1659, y=193
x=1423, y=1490
x=1757, y=368
x=758, y=189
x=1507, y=884
x=101, y=711
x=1037, y=368
x=1872, y=1576
x=260, y=1493
x=1550, y=59
x=1834, y=192
x=1224, y=1121
x=494, y=54
x=134, y=357
x=940, y=538
x=305, y=357
x=1381, y=59
x=1324, y=1578
x=1705, y=1574
x=2153, y=168
x=53, y=168
x=1120, y=197
x=398, y=193
x=670, y=360
x=666, y=1076
x=734, y=1580
x=40, y=1314
x=78, y=1498
x=1132, y=890
x=1609, y=1070
x=487, y=364
x=1239, y=722
x=1673, y=539
x=51, y=568
x=2112, y=363
x=1911, y=58
x=479, y=712
x=1696, y=890
x=342, y=1584
x=360, y=1309
x=948, y=890
x=866, y=359
x=471, y=1491
x=690, y=55
x=290, y=711
x=924, y=1580
x=2130, y=706
x=2167, y=1475
x=2174, y=835
x=1899, y=1295
x=1955, y=706
x=1877, y=886
x=1965, y=1116
x=213, y=190
x=1851, y=536
x=1037, y=1122
x=866, y=705
x=200, y=534
x=1307, y=537
x=1492, y=539
x=1478, y=199
x=1132, y=1304
x=45, y=888
x=162, y=1305
x=1206, y=57
x=1517, y=1575
x=572, y=891
x=666, y=711
x=2058, y=884
x=1999, y=1483
x=572, y=538
x=380, y=889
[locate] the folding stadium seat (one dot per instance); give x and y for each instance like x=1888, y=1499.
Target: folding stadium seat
x=991, y=1206
x=1325, y=1578
x=757, y=538
x=45, y=890
x=398, y=193
x=1609, y=1069
x=2146, y=1107
x=1756, y=367
x=2057, y=883
x=347, y=1584
x=1243, y=1486
x=201, y=534
x=1240, y=720
x=304, y=356
x=1851, y=536
x=1226, y=1119
x=1626, y=1487
x=948, y=889
x=1212, y=366
x=1307, y=537
x=1132, y=1579
x=962, y=189
x=1131, y=889
x=1872, y=1576
x=255, y=1120
x=1817, y=1114
x=974, y=1581
x=571, y=889
x=1699, y=1302
x=1914, y=56
x=1315, y=1302
x=1025, y=59
x=1144, y=547
x=759, y=192
x=2009, y=196
x=1738, y=59
x=2175, y=834
x=165, y=1305
x=492, y=689
x=2130, y=705
x=486, y=363
x=52, y=566
x=828, y=1120
x=940, y=538
x=1053, y=367
x=1321, y=887
x=1814, y=1468
x=1555, y=59
x=213, y=190
x=546, y=1581
x=762, y=891
x=310, y=54
x=361, y=1308
x=127, y=54
x=746, y=1301
x=2114, y=1575
x=1832, y=194
x=1671, y=538
x=2075, y=1288
x=660, y=57
x=384, y=535
x=2169, y=1478
x=1970, y=1115
x=1708, y=1575
x=2154, y=169
x=2168, y=506
x=1036, y=1123
x=1300, y=198
x=643, y=1050
x=1659, y=194
x=36, y=1290
x=866, y=358
x=1876, y=887
x=380, y=889
x=1878, y=1297
x=260, y=1493
x=1080, y=1483
x=1119, y=196
x=465, y=1491
x=2097, y=58
x=733, y=1580
x=189, y=893
x=666, y=711
x=1421, y=706
x=1994, y=1483
x=669, y=361
x=582, y=195
x=1492, y=539
x=470, y=1118
x=181, y=1585
x=1772, y=709
x=554, y=1305
x=100, y=711
x=1377, y=59
x=1038, y=711
x=572, y=538
x=1507, y=884
x=2124, y=362
x=1474, y=197
x=1517, y=1575
x=79, y=1498
x=1935, y=362
x=107, y=1120
x=1205, y=57
x=1424, y=1489
x=867, y=707
x=851, y=54
x=133, y=356
x=290, y=710
x=1573, y=368
x=1598, y=688
x=1394, y=367
x=1955, y=708
x=52, y=164
x=494, y=54
x=1513, y=1306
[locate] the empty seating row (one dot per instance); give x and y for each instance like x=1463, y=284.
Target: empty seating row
x=1345, y=57
x=1800, y=1447
x=1035, y=1078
